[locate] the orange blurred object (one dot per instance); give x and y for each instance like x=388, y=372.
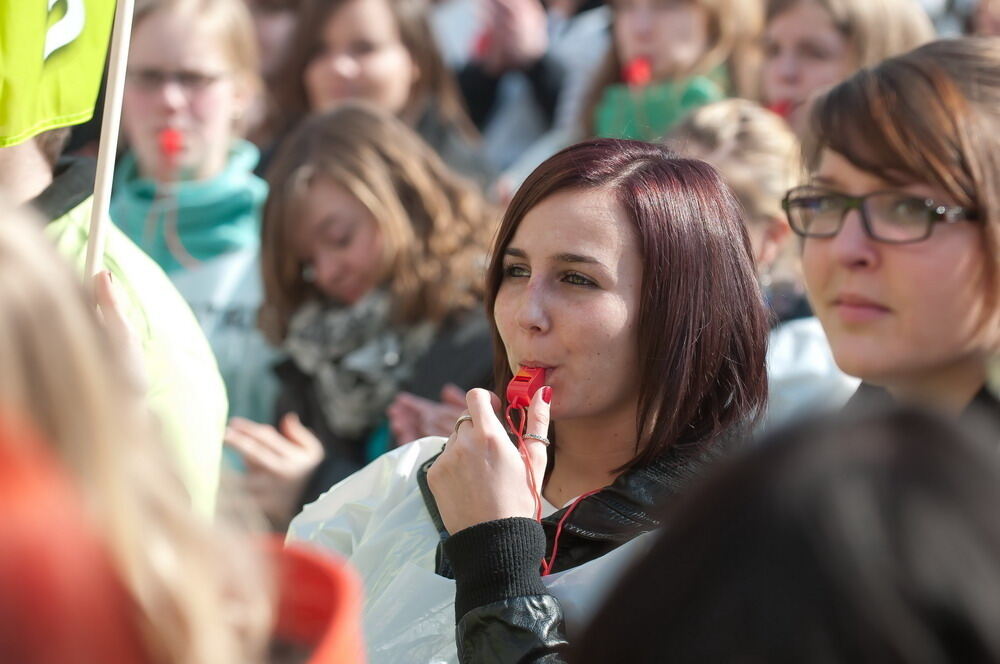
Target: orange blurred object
x=319, y=606
x=60, y=596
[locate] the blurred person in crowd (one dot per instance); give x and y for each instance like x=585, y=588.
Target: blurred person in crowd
x=373, y=254
x=812, y=44
x=650, y=373
x=864, y=540
x=382, y=52
x=185, y=192
x=148, y=579
x=760, y=158
x=900, y=222
x=526, y=77
x=274, y=22
x=184, y=388
x=985, y=19
x=667, y=58
x=196, y=594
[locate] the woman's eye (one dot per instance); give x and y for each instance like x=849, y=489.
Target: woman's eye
x=363, y=47
x=515, y=271
x=816, y=52
x=577, y=279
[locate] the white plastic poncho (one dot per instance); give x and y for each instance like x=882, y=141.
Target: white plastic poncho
x=376, y=519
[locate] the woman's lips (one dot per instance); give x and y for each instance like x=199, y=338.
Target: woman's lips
x=857, y=309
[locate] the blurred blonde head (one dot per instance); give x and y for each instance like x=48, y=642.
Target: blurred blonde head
x=875, y=29
x=760, y=158
x=196, y=589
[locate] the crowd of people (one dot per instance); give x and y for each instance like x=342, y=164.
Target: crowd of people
x=750, y=249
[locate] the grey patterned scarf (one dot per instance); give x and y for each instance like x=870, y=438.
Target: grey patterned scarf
x=356, y=357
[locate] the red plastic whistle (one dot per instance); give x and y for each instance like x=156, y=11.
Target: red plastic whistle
x=171, y=141
x=524, y=385
x=638, y=72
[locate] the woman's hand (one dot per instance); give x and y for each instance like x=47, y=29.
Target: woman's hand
x=412, y=417
x=480, y=475
x=278, y=463
x=108, y=298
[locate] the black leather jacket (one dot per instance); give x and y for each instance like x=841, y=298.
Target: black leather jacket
x=504, y=614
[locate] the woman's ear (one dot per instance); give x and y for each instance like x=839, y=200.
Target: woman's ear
x=776, y=232
x=247, y=95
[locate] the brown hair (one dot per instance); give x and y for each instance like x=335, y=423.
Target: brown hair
x=734, y=31
x=435, y=225
x=875, y=29
x=931, y=115
x=436, y=82
x=702, y=321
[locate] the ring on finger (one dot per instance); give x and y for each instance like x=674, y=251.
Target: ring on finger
x=462, y=420
x=541, y=439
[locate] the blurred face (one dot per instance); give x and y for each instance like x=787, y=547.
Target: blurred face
x=671, y=34
x=273, y=26
x=803, y=53
x=360, y=56
x=180, y=78
x=569, y=302
x=340, y=242
x=896, y=315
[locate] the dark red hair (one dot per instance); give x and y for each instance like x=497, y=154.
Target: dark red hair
x=702, y=321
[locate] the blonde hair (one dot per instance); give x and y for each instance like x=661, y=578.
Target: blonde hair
x=734, y=41
x=199, y=593
x=230, y=21
x=760, y=159
x=754, y=149
x=435, y=226
x=875, y=29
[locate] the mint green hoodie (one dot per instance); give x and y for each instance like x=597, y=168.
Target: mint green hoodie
x=214, y=217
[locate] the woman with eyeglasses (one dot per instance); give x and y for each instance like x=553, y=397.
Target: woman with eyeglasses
x=901, y=224
x=185, y=192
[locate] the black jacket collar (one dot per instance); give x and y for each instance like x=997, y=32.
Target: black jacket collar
x=618, y=513
x=72, y=183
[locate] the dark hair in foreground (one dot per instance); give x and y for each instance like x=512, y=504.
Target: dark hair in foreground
x=869, y=540
x=702, y=322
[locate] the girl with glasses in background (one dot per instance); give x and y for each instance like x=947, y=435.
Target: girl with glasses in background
x=900, y=223
x=185, y=191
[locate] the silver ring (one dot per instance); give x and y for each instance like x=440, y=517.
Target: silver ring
x=541, y=439
x=462, y=420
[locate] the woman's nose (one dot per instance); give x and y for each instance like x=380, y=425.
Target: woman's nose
x=172, y=94
x=532, y=309
x=326, y=268
x=852, y=247
x=787, y=67
x=343, y=65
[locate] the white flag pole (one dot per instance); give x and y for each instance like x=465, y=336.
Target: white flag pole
x=118, y=57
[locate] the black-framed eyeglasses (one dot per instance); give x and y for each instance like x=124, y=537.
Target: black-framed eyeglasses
x=149, y=79
x=886, y=216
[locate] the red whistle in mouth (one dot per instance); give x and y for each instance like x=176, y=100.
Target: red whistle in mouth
x=638, y=72
x=782, y=108
x=171, y=141
x=524, y=385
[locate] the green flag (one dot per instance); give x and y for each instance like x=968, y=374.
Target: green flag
x=51, y=60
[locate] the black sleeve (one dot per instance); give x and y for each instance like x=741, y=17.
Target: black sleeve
x=547, y=77
x=504, y=613
x=479, y=89
x=341, y=456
